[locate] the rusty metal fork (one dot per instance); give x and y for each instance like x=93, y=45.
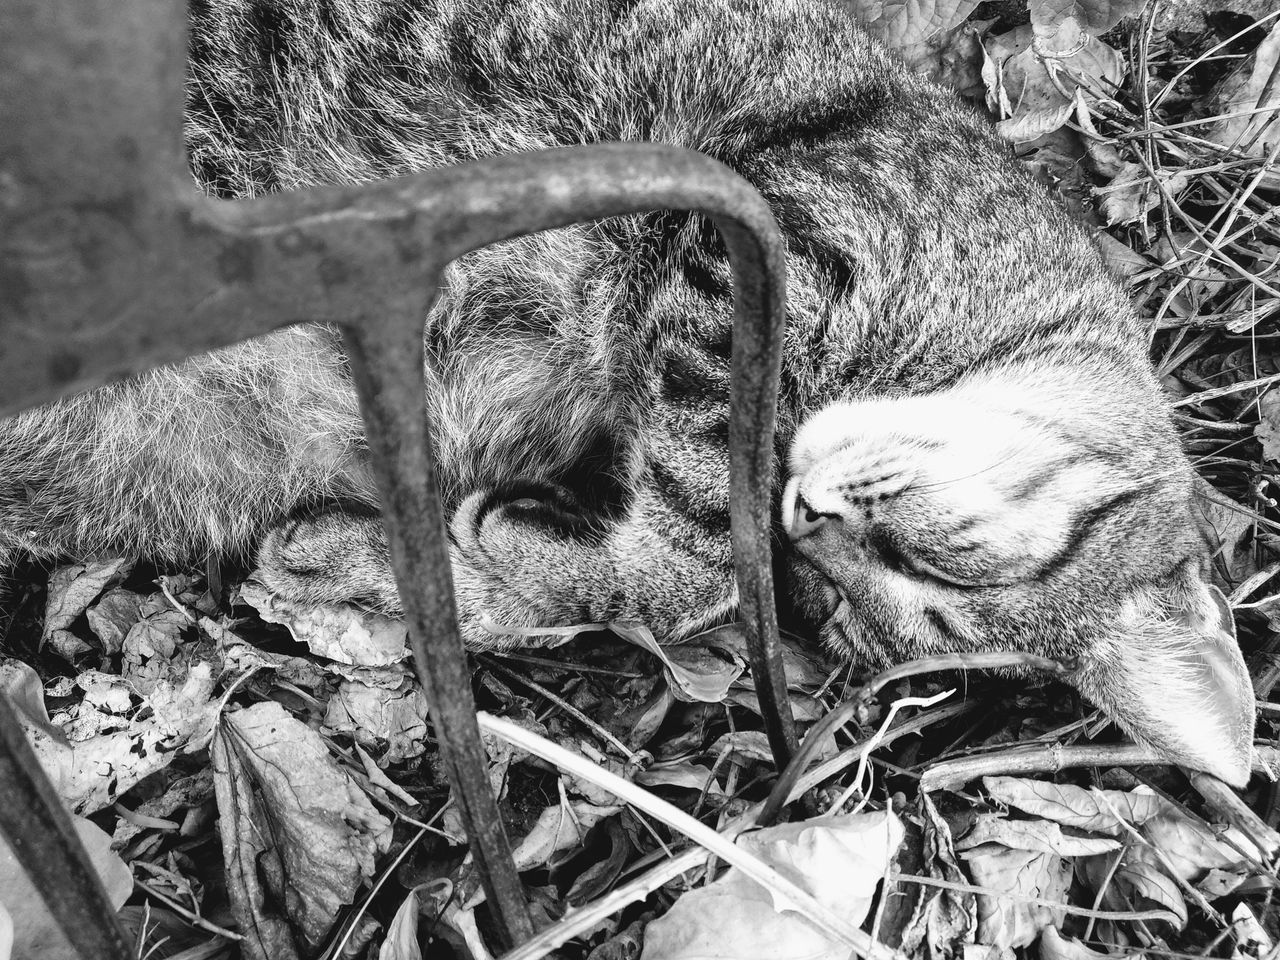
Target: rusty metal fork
x=112, y=263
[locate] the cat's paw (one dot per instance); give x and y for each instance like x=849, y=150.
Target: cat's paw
x=332, y=557
x=524, y=559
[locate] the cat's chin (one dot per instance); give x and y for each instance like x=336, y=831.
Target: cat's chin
x=829, y=608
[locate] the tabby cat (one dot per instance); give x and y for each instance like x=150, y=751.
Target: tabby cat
x=973, y=449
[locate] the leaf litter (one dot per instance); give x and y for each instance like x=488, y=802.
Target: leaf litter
x=316, y=822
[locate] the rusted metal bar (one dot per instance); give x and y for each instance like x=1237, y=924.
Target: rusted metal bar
x=113, y=264
x=386, y=362
x=45, y=844
x=496, y=200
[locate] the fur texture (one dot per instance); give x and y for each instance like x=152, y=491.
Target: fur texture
x=978, y=453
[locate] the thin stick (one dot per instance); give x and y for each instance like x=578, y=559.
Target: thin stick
x=985, y=660
x=1049, y=758
x=1227, y=803
x=1103, y=888
x=564, y=705
x=569, y=666
x=354, y=920
x=147, y=823
x=163, y=583
x=851, y=755
x=827, y=921
x=178, y=908
x=874, y=741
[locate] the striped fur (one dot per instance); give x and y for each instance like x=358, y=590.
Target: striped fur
x=979, y=457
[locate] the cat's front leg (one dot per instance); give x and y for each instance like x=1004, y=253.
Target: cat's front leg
x=332, y=556
x=520, y=562
x=536, y=560
x=341, y=556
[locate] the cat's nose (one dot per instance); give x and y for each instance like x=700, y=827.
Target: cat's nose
x=804, y=520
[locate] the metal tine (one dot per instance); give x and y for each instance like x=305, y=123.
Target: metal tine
x=46, y=846
x=386, y=363
x=496, y=200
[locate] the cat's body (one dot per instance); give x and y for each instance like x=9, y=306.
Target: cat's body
x=993, y=469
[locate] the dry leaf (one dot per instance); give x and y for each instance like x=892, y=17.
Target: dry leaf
x=1037, y=835
x=1094, y=17
x=378, y=717
x=942, y=918
x=401, y=942
x=626, y=944
x=91, y=773
x=1218, y=883
x=1267, y=429
x=682, y=773
x=745, y=746
x=696, y=672
x=239, y=656
x=840, y=860
x=337, y=631
x=112, y=616
x=799, y=667
x=182, y=794
x=1251, y=938
x=986, y=951
x=71, y=590
x=1038, y=94
x=1009, y=921
x=299, y=838
x=599, y=875
x=904, y=24
x=804, y=708
x=34, y=931
x=456, y=924
x=1189, y=847
x=1132, y=194
x=1054, y=946
x=21, y=684
x=556, y=829
x=159, y=933
x=951, y=58
x=1075, y=806
x=1120, y=258
x=638, y=724
x=1227, y=531
x=153, y=652
x=1254, y=133
x=1149, y=888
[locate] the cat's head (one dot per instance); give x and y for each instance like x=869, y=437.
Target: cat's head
x=1044, y=513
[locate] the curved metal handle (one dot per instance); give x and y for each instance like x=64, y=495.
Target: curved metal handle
x=492, y=200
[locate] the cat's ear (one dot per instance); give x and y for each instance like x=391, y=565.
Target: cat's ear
x=1172, y=675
